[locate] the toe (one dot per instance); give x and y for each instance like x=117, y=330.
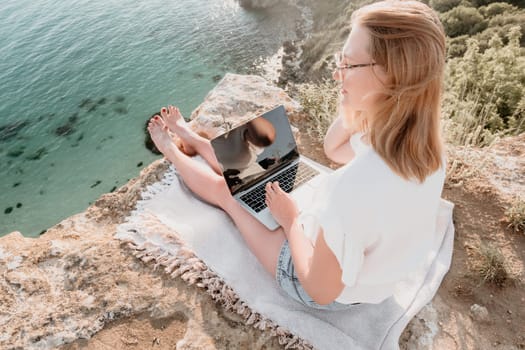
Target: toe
x=164, y=112
x=171, y=111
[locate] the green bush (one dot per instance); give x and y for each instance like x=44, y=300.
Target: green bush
x=456, y=47
x=505, y=21
x=463, y=20
x=320, y=103
x=443, y=5
x=496, y=8
x=485, y=92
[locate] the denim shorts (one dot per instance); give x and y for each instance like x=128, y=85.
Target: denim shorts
x=289, y=283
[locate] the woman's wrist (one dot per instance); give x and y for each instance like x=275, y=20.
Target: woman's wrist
x=288, y=227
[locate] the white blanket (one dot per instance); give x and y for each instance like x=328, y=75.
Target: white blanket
x=211, y=235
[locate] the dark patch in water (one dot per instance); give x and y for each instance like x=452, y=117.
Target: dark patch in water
x=80, y=137
x=68, y=127
x=198, y=75
x=104, y=114
x=92, y=108
x=65, y=129
x=121, y=110
x=42, y=232
x=52, y=164
x=109, y=137
x=11, y=130
x=41, y=192
x=19, y=205
x=102, y=101
x=47, y=116
x=98, y=182
x=139, y=164
x=8, y=210
x=38, y=154
x=16, y=184
x=74, y=145
x=17, y=152
x=216, y=78
x=120, y=98
x=85, y=103
x=113, y=189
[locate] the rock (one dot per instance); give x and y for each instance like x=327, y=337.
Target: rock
x=479, y=313
x=253, y=96
x=258, y=4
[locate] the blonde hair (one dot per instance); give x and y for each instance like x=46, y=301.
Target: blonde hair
x=408, y=41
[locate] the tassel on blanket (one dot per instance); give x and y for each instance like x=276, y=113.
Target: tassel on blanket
x=178, y=260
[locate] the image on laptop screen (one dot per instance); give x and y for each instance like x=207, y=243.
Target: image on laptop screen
x=251, y=150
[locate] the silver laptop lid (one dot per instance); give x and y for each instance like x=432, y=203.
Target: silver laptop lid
x=256, y=149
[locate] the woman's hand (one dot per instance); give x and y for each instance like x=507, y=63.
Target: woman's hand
x=281, y=205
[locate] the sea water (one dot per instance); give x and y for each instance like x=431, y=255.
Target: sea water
x=79, y=79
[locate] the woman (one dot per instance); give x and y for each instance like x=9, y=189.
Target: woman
x=373, y=220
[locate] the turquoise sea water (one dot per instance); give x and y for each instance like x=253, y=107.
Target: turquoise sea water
x=79, y=78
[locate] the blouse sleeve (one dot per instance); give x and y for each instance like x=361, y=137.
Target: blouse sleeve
x=330, y=212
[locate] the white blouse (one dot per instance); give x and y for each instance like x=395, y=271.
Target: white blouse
x=378, y=225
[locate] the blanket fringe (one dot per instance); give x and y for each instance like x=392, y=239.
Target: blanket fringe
x=183, y=263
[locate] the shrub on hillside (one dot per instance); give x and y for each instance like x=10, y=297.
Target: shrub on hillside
x=496, y=8
x=462, y=20
x=485, y=92
x=505, y=21
x=443, y=5
x=320, y=103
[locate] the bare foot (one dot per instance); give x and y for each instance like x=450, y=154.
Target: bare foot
x=176, y=124
x=160, y=135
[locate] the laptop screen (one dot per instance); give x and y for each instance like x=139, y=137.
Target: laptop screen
x=255, y=149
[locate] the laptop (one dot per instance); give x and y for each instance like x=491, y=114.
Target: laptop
x=264, y=150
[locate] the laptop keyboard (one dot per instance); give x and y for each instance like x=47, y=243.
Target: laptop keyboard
x=289, y=179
